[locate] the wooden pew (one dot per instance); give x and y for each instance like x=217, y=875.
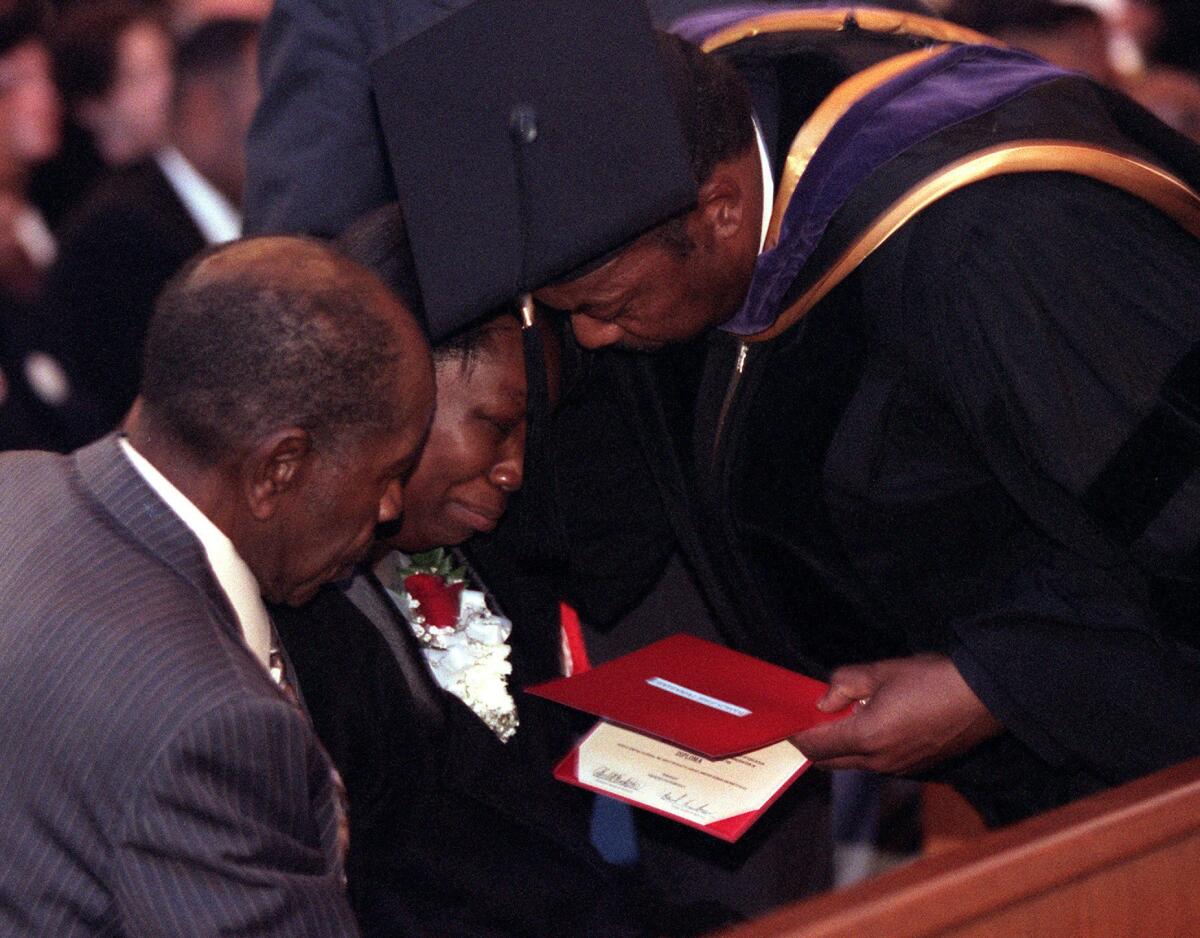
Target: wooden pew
x=1122, y=863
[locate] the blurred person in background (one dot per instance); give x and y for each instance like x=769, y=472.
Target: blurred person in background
x=1154, y=48
x=1109, y=40
x=140, y=225
x=186, y=15
x=1071, y=35
x=37, y=406
x=113, y=66
x=1173, y=95
x=113, y=62
x=30, y=134
x=1167, y=81
x=1179, y=41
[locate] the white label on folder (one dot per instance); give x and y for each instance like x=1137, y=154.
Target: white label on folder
x=679, y=690
x=681, y=783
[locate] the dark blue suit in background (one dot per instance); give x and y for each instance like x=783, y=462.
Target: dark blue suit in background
x=315, y=153
x=153, y=780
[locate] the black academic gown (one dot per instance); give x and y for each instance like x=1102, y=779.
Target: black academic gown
x=983, y=444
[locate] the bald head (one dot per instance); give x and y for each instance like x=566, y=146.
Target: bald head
x=280, y=331
x=277, y=263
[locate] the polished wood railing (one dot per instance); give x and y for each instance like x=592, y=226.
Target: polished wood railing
x=1122, y=863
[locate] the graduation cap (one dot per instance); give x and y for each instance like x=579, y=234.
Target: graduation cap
x=527, y=138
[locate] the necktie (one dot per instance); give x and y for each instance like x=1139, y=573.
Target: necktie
x=278, y=667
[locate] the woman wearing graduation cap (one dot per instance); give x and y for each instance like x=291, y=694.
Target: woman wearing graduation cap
x=413, y=673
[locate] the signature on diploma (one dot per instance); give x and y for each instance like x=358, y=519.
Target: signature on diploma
x=604, y=774
x=680, y=802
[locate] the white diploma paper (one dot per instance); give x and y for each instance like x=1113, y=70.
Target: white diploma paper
x=680, y=783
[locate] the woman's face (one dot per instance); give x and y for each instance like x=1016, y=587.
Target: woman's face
x=473, y=458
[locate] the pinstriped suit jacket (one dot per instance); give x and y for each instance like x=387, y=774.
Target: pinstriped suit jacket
x=153, y=780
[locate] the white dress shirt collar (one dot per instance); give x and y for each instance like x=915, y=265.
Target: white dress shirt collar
x=231, y=573
x=216, y=217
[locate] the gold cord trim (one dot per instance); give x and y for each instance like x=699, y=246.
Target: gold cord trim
x=1155, y=186
x=871, y=19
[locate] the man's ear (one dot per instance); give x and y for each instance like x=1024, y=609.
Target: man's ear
x=274, y=469
x=722, y=200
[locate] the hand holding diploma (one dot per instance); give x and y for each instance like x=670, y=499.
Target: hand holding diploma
x=909, y=713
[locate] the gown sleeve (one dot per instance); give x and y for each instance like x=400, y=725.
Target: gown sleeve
x=1059, y=319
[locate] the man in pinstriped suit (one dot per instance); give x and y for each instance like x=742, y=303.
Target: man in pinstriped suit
x=154, y=778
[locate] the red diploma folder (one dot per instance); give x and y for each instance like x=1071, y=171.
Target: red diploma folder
x=779, y=702
x=690, y=700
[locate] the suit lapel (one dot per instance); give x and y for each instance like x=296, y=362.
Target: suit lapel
x=370, y=599
x=123, y=495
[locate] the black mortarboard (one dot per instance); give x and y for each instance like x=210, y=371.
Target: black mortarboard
x=526, y=138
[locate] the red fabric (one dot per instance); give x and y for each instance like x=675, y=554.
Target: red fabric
x=576, y=658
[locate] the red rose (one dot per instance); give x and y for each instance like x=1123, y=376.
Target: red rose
x=439, y=601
